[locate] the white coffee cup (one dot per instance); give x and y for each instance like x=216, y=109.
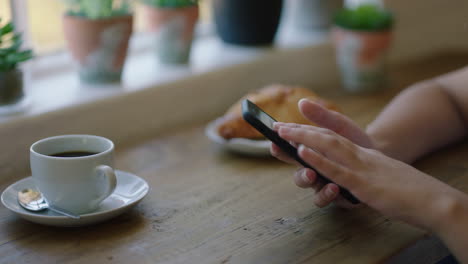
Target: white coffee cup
x=78, y=183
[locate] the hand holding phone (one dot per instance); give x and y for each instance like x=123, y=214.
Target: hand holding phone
x=264, y=124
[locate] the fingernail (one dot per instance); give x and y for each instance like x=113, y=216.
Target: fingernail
x=284, y=130
x=330, y=192
x=301, y=148
x=310, y=175
x=277, y=125
x=304, y=177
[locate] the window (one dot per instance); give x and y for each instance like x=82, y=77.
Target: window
x=51, y=71
x=45, y=25
x=5, y=11
x=44, y=21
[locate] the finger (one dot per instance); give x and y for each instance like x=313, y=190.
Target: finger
x=305, y=178
x=334, y=121
x=294, y=144
x=326, y=195
x=339, y=200
x=318, y=185
x=333, y=146
x=279, y=154
x=330, y=169
x=307, y=127
x=343, y=203
x=278, y=125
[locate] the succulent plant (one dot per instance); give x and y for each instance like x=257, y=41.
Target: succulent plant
x=97, y=9
x=365, y=17
x=170, y=3
x=10, y=48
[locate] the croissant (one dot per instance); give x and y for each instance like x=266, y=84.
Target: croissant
x=277, y=100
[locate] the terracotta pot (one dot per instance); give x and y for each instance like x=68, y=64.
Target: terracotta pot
x=98, y=46
x=361, y=57
x=172, y=30
x=11, y=87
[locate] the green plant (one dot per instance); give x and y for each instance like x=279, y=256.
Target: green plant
x=97, y=9
x=170, y=3
x=364, y=18
x=10, y=48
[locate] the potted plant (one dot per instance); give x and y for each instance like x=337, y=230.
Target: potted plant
x=11, y=54
x=97, y=33
x=172, y=24
x=247, y=22
x=362, y=37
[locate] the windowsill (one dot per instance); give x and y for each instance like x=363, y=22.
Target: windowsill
x=59, y=88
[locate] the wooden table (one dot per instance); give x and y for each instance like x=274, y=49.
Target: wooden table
x=209, y=206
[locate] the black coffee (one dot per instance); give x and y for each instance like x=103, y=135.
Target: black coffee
x=72, y=154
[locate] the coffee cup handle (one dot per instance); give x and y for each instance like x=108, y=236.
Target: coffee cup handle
x=110, y=179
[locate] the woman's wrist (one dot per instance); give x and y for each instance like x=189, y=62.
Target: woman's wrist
x=449, y=213
x=392, y=145
x=381, y=142
x=451, y=226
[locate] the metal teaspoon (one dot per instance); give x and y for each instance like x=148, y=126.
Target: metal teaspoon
x=32, y=200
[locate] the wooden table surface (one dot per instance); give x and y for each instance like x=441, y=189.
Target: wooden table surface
x=209, y=206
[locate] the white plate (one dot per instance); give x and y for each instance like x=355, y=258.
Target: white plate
x=129, y=191
x=238, y=145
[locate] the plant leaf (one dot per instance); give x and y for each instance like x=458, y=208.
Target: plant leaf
x=10, y=53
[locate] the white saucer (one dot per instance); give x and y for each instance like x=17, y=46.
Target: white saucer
x=129, y=191
x=239, y=145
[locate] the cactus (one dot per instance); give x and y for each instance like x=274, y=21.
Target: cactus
x=97, y=9
x=170, y=3
x=10, y=48
x=364, y=18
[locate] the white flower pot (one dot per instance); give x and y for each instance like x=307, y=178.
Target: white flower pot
x=361, y=58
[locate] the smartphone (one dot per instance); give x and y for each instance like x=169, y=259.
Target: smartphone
x=263, y=122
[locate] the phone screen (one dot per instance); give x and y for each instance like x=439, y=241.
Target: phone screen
x=264, y=118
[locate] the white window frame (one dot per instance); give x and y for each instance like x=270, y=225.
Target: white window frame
x=19, y=16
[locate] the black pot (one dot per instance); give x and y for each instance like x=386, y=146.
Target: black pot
x=11, y=87
x=247, y=22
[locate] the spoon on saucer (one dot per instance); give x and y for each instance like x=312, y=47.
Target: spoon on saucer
x=32, y=200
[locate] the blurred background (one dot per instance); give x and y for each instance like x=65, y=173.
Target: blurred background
x=45, y=22
x=234, y=31
x=416, y=22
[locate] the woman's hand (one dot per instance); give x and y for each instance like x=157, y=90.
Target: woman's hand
x=387, y=185
x=340, y=124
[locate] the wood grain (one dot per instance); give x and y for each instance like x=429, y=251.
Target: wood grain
x=209, y=206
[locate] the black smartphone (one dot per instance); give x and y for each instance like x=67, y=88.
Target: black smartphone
x=263, y=122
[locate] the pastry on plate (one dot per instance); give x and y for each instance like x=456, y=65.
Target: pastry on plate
x=279, y=101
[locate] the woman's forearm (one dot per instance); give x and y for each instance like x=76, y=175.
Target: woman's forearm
x=421, y=119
